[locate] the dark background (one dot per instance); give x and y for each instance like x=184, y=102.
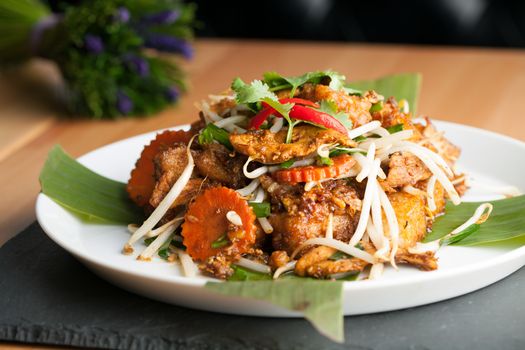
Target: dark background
x=435, y=22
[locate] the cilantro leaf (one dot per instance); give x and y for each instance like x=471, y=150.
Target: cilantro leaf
x=261, y=210
x=213, y=133
x=330, y=107
x=251, y=93
x=376, y=107
x=278, y=82
x=343, y=150
x=395, y=128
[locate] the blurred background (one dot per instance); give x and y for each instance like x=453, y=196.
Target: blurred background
x=438, y=22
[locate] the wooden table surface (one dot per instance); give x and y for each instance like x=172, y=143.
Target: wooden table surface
x=480, y=87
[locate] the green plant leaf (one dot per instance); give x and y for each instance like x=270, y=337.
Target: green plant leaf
x=243, y=274
x=213, y=133
x=395, y=128
x=406, y=85
x=261, y=210
x=278, y=82
x=321, y=302
x=92, y=197
x=253, y=92
x=506, y=223
x=330, y=107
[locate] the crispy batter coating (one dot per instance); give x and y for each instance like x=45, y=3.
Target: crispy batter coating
x=406, y=169
x=356, y=107
x=410, y=213
x=270, y=148
x=298, y=215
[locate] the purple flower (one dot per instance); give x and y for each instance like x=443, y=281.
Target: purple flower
x=163, y=17
x=124, y=103
x=170, y=44
x=122, y=15
x=172, y=93
x=137, y=63
x=93, y=44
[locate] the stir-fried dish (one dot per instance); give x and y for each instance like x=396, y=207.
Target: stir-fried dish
x=296, y=175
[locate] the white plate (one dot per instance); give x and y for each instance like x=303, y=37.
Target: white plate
x=489, y=157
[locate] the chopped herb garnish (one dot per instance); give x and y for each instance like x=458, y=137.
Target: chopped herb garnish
x=324, y=161
x=220, y=242
x=164, y=250
x=338, y=255
x=360, y=138
x=395, y=128
x=178, y=244
x=288, y=164
x=277, y=82
x=147, y=241
x=251, y=93
x=330, y=107
x=337, y=151
x=291, y=124
x=376, y=107
x=213, y=133
x=261, y=210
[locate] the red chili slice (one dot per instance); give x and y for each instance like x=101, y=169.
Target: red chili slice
x=260, y=118
x=299, y=112
x=317, y=117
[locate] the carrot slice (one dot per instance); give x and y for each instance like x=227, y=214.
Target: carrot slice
x=142, y=182
x=341, y=165
x=205, y=224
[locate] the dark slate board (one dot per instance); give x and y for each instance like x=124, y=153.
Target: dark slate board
x=47, y=297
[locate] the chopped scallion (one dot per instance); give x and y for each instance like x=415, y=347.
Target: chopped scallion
x=220, y=242
x=324, y=161
x=213, y=133
x=376, y=107
x=261, y=210
x=287, y=164
x=395, y=128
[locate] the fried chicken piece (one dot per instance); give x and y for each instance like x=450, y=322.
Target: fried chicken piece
x=313, y=256
x=317, y=263
x=424, y=261
x=270, y=148
x=406, y=169
x=439, y=197
x=355, y=106
x=217, y=163
x=213, y=166
x=390, y=115
x=327, y=268
x=278, y=259
x=223, y=105
x=299, y=215
x=290, y=231
x=410, y=213
x=169, y=165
